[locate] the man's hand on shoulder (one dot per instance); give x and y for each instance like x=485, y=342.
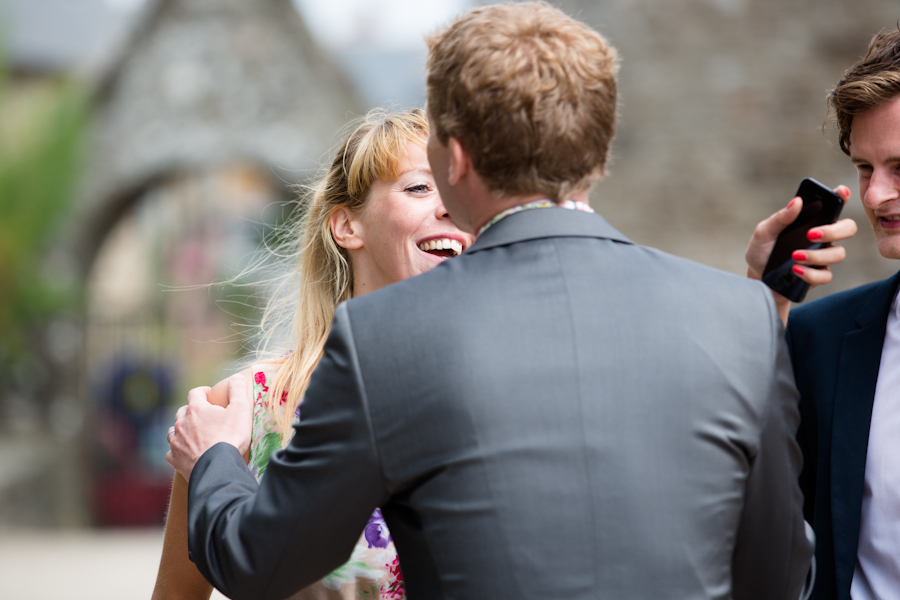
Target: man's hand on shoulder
x=200, y=425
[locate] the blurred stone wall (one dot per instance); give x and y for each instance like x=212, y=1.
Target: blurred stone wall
x=721, y=110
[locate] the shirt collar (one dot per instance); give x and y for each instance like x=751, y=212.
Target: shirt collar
x=568, y=204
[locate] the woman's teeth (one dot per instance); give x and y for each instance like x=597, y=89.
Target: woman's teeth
x=442, y=244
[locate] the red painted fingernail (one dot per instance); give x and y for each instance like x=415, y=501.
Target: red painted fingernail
x=798, y=269
x=792, y=202
x=799, y=255
x=814, y=235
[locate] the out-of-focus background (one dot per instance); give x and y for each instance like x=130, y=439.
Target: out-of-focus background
x=147, y=148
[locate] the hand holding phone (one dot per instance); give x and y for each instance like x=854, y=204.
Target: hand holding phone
x=821, y=206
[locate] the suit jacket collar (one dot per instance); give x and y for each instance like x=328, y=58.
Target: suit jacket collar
x=545, y=223
x=879, y=302
x=854, y=397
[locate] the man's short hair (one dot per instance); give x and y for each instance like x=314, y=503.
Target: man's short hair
x=873, y=81
x=530, y=93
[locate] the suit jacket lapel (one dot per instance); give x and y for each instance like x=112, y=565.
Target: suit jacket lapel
x=853, y=400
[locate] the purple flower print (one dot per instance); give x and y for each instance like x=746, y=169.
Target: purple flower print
x=376, y=531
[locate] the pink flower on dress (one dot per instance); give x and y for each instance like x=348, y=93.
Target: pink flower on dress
x=284, y=396
x=259, y=378
x=395, y=589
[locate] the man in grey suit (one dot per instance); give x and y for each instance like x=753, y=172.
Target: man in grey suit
x=557, y=413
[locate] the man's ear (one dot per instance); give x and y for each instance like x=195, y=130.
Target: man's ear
x=344, y=229
x=460, y=161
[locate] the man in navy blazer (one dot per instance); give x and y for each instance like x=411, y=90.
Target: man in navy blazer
x=837, y=368
x=846, y=353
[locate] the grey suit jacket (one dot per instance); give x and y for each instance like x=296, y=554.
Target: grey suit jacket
x=557, y=413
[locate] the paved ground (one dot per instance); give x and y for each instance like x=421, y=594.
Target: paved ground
x=108, y=565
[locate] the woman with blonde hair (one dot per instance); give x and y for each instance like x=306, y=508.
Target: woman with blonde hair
x=374, y=218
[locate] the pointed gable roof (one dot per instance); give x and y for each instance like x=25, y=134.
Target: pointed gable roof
x=201, y=83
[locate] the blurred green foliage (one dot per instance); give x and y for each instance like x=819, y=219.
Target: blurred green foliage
x=42, y=127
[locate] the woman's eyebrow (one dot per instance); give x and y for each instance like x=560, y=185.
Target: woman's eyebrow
x=426, y=171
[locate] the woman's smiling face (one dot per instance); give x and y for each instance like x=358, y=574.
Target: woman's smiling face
x=403, y=228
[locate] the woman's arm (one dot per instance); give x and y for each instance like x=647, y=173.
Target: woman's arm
x=763, y=240
x=178, y=578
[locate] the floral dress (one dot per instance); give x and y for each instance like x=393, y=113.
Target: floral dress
x=373, y=570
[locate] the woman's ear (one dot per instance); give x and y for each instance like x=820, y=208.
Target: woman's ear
x=344, y=229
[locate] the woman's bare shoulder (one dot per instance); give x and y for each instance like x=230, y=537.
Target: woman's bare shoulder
x=218, y=395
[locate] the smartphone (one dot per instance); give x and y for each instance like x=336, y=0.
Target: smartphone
x=821, y=206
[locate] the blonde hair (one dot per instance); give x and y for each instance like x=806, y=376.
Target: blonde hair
x=323, y=274
x=531, y=95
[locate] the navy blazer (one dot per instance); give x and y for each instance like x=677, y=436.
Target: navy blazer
x=835, y=345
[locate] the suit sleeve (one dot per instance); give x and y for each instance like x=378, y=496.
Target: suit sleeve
x=773, y=552
x=806, y=434
x=314, y=501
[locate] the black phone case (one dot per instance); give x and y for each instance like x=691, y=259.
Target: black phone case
x=783, y=280
x=821, y=206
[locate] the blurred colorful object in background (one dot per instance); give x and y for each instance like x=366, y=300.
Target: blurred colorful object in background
x=131, y=484
x=156, y=325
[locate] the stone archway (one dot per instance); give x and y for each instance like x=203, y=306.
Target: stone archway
x=157, y=323
x=212, y=108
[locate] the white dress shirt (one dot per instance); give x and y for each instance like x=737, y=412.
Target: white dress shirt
x=877, y=572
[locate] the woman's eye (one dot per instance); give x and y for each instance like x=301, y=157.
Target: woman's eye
x=419, y=188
